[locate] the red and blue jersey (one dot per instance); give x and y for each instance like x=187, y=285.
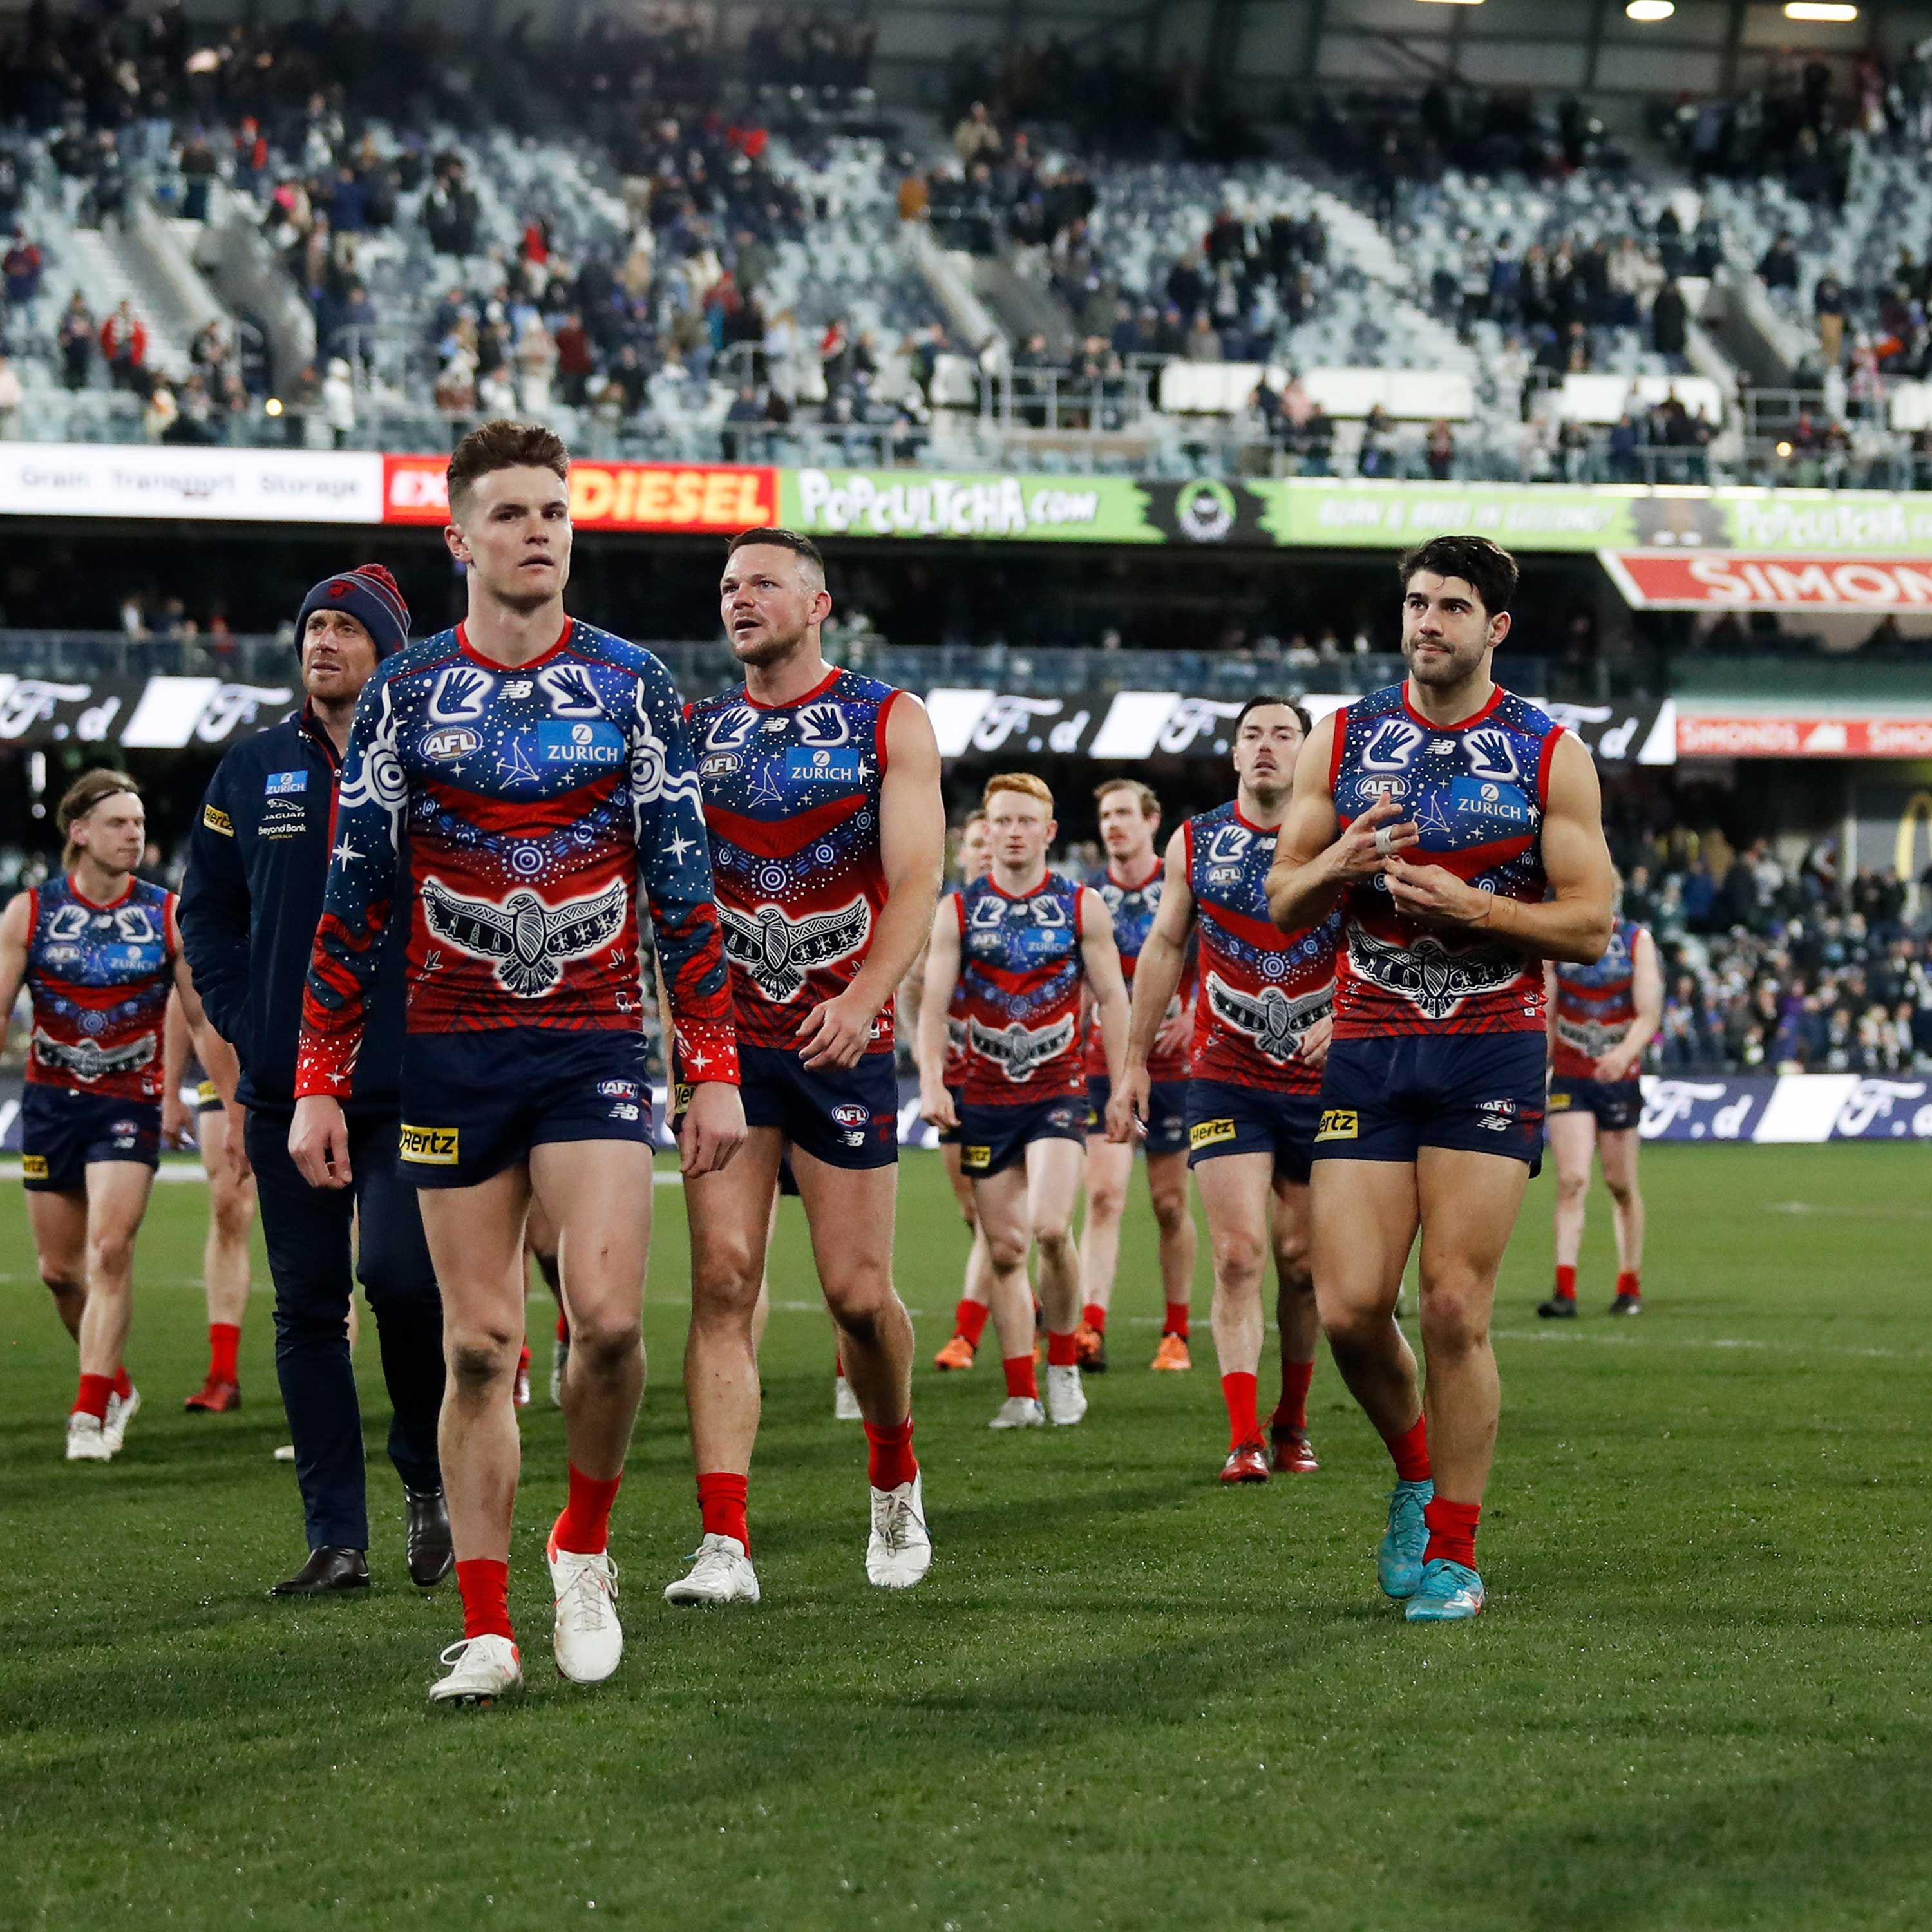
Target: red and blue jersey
x=1261, y=988
x=1133, y=908
x=1476, y=791
x=791, y=802
x=955, y=1075
x=1020, y=970
x=528, y=803
x=1596, y=1006
x=99, y=977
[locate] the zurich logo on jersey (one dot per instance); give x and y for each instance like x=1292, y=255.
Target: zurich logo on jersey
x=279, y=784
x=581, y=744
x=810, y=766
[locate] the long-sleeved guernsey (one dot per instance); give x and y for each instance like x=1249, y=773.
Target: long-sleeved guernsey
x=522, y=806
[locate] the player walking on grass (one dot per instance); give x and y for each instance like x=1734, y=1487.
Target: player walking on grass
x=257, y=864
x=535, y=769
x=231, y=1207
x=828, y=832
x=1601, y=1019
x=1261, y=1031
x=1459, y=832
x=1019, y=942
x=969, y=1317
x=99, y=952
x=1131, y=882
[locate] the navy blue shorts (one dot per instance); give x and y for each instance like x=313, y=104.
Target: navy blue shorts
x=1617, y=1104
x=1167, y=1112
x=952, y=1136
x=996, y=1138
x=1475, y=1092
x=62, y=1129
x=844, y=1116
x=1223, y=1118
x=475, y=1103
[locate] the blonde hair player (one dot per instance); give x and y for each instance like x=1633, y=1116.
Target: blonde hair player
x=1019, y=944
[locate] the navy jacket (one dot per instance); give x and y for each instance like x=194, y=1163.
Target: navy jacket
x=250, y=906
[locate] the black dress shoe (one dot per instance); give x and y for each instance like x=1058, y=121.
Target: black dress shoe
x=329, y=1568
x=431, y=1553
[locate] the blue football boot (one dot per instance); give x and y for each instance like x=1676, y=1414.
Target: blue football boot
x=1449, y=1593
x=1399, y=1559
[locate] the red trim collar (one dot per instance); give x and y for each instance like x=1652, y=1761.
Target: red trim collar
x=1496, y=696
x=470, y=651
x=100, y=905
x=818, y=690
x=1261, y=831
x=1032, y=892
x=1137, y=885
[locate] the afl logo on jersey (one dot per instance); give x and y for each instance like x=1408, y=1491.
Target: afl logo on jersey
x=451, y=741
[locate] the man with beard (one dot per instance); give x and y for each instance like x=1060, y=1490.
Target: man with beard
x=1460, y=831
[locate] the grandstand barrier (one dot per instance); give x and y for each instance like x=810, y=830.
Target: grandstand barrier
x=1795, y=528
x=1785, y=1109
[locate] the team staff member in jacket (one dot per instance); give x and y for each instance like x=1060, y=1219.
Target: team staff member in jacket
x=250, y=908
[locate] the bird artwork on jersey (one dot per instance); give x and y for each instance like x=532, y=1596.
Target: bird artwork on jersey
x=99, y=977
x=791, y=802
x=528, y=800
x=1476, y=793
x=1020, y=971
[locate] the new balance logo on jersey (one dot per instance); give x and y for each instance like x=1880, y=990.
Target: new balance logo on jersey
x=1427, y=974
x=776, y=953
x=87, y=1061
x=528, y=941
x=1018, y=1051
x=1273, y=1022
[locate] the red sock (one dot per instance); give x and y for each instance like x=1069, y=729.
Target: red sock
x=1411, y=1452
x=1626, y=1284
x=585, y=1525
x=224, y=1340
x=1238, y=1391
x=123, y=1388
x=720, y=1503
x=562, y=1326
x=523, y=1360
x=969, y=1319
x=1063, y=1352
x=1177, y=1320
x=1020, y=1380
x=890, y=1461
x=485, y=1581
x=1095, y=1317
x=1291, y=1415
x=1452, y=1531
x=92, y=1399
x=838, y=1364
x=1566, y=1284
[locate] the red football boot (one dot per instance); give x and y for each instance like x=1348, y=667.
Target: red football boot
x=1293, y=1454
x=1247, y=1464
x=214, y=1398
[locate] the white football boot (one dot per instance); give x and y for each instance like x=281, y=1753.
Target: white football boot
x=86, y=1440
x=559, y=1362
x=1066, y=1400
x=1019, y=1411
x=844, y=1404
x=120, y=1413
x=722, y=1574
x=900, y=1551
x=589, y=1640
x=485, y=1668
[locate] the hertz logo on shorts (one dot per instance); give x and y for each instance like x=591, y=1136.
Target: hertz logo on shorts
x=1207, y=1133
x=217, y=820
x=433, y=1147
x=1338, y=1123
x=33, y=1167
x=206, y=1095
x=976, y=1156
x=680, y=1097
x=1558, y=1102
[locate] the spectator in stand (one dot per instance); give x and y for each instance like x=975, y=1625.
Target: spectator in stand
x=1204, y=340
x=451, y=211
x=76, y=337
x=1778, y=268
x=124, y=347
x=159, y=415
x=199, y=169
x=1670, y=326
x=338, y=401
x=1829, y=305
x=20, y=271
x=1440, y=451
x=975, y=138
x=1376, y=457
x=574, y=362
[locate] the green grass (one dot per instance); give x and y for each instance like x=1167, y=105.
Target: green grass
x=1123, y=1697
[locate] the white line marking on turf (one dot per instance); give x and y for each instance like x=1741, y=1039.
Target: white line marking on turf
x=1566, y=1335
x=1839, y=1207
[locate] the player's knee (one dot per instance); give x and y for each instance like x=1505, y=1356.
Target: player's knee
x=60, y=1283
x=606, y=1344
x=1571, y=1188
x=1170, y=1209
x=724, y=1283
x=1007, y=1251
x=1291, y=1268
x=234, y=1217
x=1106, y=1201
x=479, y=1357
x=1055, y=1239
x=858, y=1291
x=110, y=1255
x=1237, y=1257
x=1348, y=1324
x=1623, y=1192
x=1455, y=1319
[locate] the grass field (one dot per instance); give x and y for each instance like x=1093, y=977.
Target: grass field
x=1123, y=1697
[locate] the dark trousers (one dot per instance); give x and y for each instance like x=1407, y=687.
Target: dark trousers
x=307, y=1232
